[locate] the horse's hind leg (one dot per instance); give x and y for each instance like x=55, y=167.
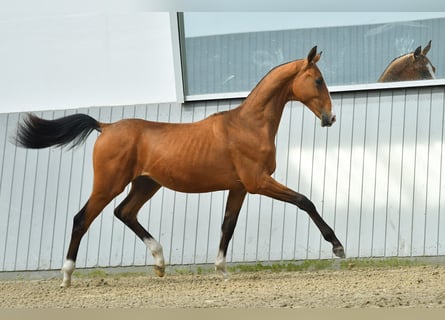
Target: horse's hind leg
x=142, y=189
x=81, y=222
x=233, y=207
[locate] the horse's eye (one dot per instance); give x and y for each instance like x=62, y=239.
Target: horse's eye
x=319, y=81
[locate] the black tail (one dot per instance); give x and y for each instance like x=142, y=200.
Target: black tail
x=38, y=133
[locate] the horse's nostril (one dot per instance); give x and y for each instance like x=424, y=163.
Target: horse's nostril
x=328, y=120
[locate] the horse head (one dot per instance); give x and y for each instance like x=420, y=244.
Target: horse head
x=411, y=66
x=310, y=88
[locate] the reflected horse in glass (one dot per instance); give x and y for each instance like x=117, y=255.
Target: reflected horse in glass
x=411, y=66
x=230, y=150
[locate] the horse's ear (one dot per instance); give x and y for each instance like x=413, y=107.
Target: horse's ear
x=312, y=54
x=317, y=57
x=426, y=49
x=417, y=52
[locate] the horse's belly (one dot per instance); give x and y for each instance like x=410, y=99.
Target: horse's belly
x=195, y=180
x=197, y=183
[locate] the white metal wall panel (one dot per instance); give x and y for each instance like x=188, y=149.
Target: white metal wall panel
x=130, y=57
x=376, y=176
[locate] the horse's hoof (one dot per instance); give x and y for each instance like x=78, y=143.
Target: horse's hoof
x=339, y=251
x=222, y=270
x=65, y=284
x=160, y=271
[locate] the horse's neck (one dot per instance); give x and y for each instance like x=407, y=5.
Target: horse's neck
x=264, y=105
x=394, y=69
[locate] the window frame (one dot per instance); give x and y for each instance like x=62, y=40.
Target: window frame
x=244, y=94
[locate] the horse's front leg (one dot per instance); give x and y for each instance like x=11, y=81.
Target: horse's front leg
x=269, y=187
x=233, y=207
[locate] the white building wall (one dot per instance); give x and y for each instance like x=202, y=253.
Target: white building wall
x=60, y=60
x=376, y=176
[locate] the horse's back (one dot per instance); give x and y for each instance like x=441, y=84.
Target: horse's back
x=180, y=156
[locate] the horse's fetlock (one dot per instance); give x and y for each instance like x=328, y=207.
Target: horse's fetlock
x=156, y=251
x=67, y=270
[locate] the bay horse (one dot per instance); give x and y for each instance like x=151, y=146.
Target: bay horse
x=411, y=66
x=231, y=150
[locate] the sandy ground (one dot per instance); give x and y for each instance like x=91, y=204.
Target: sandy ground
x=419, y=286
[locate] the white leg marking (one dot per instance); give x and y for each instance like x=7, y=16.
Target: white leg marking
x=67, y=270
x=220, y=265
x=158, y=254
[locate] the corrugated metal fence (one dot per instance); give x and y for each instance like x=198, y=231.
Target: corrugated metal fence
x=376, y=176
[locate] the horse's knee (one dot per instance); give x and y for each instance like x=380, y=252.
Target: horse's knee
x=304, y=203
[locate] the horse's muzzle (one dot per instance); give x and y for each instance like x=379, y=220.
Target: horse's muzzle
x=328, y=120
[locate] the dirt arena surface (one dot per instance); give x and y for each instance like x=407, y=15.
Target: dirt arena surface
x=394, y=287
